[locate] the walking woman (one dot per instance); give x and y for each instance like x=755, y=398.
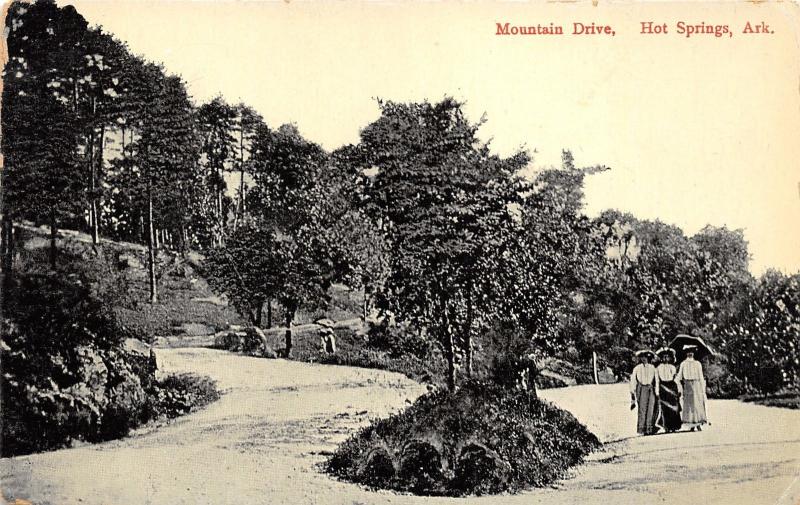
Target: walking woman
x=668, y=391
x=693, y=385
x=644, y=391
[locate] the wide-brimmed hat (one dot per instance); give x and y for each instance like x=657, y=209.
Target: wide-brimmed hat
x=665, y=350
x=645, y=352
x=689, y=348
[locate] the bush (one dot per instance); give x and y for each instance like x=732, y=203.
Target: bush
x=181, y=394
x=66, y=374
x=397, y=340
x=721, y=382
x=620, y=360
x=787, y=399
x=481, y=439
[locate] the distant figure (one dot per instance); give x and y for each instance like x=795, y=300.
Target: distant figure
x=668, y=392
x=152, y=363
x=644, y=392
x=693, y=385
x=328, y=340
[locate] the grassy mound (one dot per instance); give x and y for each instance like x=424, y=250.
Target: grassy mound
x=481, y=440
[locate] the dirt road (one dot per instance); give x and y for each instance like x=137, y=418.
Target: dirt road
x=262, y=443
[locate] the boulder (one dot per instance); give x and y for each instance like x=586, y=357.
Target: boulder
x=549, y=379
x=136, y=346
x=130, y=260
x=229, y=340
x=255, y=343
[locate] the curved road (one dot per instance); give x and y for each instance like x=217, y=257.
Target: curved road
x=262, y=442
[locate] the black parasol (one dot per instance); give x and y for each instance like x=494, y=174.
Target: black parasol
x=681, y=342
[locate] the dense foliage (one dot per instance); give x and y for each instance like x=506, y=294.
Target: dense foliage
x=67, y=373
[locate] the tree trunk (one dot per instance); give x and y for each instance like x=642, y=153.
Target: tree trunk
x=8, y=251
x=594, y=367
x=240, y=207
x=151, y=256
x=269, y=313
x=220, y=217
x=289, y=320
x=365, y=306
x=468, y=331
x=98, y=208
x=451, y=362
x=53, y=236
x=449, y=349
x=92, y=186
x=8, y=244
x=259, y=312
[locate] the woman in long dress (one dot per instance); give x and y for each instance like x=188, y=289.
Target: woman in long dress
x=644, y=391
x=668, y=392
x=693, y=385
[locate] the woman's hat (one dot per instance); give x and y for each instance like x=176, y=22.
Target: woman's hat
x=666, y=350
x=689, y=348
x=645, y=352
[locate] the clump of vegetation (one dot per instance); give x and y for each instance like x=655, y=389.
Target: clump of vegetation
x=180, y=394
x=67, y=374
x=789, y=399
x=481, y=439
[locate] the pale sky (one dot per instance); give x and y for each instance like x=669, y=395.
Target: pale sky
x=699, y=130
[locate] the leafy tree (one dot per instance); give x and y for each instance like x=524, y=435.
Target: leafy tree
x=762, y=339
x=301, y=256
x=445, y=201
x=287, y=171
x=558, y=253
x=248, y=269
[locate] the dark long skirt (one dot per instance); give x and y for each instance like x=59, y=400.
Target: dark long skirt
x=648, y=411
x=670, y=405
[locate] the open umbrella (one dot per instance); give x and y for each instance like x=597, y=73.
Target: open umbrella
x=327, y=323
x=681, y=341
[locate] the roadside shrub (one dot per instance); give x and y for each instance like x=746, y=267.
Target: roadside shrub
x=787, y=399
x=721, y=382
x=397, y=340
x=481, y=439
x=620, y=360
x=181, y=394
x=767, y=379
x=66, y=373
